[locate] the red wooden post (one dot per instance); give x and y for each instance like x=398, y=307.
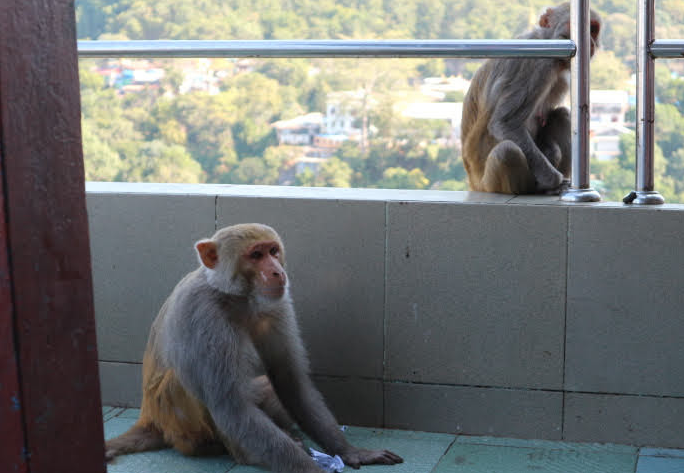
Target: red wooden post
x=50, y=416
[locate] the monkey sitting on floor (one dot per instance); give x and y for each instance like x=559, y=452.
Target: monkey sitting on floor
x=201, y=394
x=515, y=138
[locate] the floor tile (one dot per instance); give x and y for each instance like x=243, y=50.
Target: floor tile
x=649, y=464
x=421, y=451
x=488, y=455
x=130, y=414
x=161, y=461
x=111, y=413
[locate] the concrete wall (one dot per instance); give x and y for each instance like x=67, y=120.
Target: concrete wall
x=441, y=311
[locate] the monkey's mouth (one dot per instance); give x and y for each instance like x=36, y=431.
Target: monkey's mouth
x=275, y=292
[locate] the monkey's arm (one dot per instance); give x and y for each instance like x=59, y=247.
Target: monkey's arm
x=210, y=366
x=285, y=360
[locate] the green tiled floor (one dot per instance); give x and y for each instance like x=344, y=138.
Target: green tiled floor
x=425, y=452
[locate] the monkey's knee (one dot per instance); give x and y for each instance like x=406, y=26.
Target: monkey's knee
x=553, y=139
x=559, y=116
x=507, y=171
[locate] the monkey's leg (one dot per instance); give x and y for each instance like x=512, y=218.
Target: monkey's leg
x=553, y=139
x=506, y=170
x=267, y=400
x=185, y=423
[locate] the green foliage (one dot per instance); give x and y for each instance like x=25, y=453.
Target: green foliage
x=608, y=72
x=400, y=178
x=156, y=161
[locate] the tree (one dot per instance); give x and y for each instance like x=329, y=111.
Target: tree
x=400, y=178
x=334, y=173
x=158, y=162
x=306, y=178
x=249, y=171
x=608, y=72
x=102, y=163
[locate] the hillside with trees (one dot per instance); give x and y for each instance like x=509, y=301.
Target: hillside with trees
x=213, y=120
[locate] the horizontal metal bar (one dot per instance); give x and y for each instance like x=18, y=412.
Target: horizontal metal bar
x=329, y=48
x=667, y=48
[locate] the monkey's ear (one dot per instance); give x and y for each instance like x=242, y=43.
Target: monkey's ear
x=207, y=252
x=545, y=19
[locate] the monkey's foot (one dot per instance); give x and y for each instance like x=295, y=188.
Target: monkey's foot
x=564, y=186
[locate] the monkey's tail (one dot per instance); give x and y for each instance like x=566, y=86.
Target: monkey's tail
x=139, y=438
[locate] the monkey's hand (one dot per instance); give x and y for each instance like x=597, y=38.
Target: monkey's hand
x=359, y=456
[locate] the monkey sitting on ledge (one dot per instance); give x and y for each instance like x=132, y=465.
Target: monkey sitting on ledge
x=201, y=394
x=515, y=138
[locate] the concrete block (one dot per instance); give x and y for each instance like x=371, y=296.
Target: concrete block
x=353, y=401
x=121, y=384
x=634, y=420
x=335, y=253
x=141, y=246
x=474, y=411
x=476, y=294
x=625, y=299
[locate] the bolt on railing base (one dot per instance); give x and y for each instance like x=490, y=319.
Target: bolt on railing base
x=648, y=198
x=580, y=195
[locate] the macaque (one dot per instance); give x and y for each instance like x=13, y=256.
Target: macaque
x=202, y=392
x=515, y=137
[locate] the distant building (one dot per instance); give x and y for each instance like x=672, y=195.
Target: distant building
x=608, y=106
x=341, y=111
x=300, y=130
x=604, y=143
x=330, y=141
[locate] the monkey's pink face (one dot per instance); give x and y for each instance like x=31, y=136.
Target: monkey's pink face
x=264, y=261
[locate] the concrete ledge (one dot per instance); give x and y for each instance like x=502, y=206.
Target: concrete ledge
x=449, y=311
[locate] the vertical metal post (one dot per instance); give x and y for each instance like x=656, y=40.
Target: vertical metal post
x=645, y=122
x=580, y=191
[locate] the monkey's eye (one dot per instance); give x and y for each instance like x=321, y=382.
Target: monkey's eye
x=256, y=254
x=274, y=251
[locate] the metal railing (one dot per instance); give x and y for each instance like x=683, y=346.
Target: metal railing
x=329, y=48
x=647, y=50
x=578, y=49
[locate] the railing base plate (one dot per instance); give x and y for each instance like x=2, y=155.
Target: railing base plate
x=648, y=198
x=580, y=195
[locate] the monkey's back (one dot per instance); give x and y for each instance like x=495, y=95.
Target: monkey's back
x=476, y=140
x=167, y=405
